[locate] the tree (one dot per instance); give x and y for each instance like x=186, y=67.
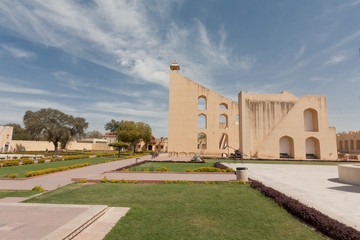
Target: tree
x=93, y=134
x=119, y=146
x=132, y=133
x=19, y=133
x=54, y=126
x=112, y=125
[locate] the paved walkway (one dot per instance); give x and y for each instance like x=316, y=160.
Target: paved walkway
x=54, y=180
x=314, y=185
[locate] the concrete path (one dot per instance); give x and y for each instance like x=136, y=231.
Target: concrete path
x=314, y=185
x=54, y=180
x=43, y=221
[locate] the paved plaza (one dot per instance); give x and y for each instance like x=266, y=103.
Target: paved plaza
x=314, y=185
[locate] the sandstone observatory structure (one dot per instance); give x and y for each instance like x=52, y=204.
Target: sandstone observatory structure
x=270, y=126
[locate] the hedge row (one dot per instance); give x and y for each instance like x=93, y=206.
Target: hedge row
x=52, y=170
x=323, y=223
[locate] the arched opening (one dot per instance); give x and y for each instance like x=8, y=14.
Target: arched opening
x=182, y=154
x=237, y=119
x=202, y=103
x=312, y=146
x=357, y=144
x=150, y=147
x=346, y=143
x=351, y=144
x=286, y=147
x=202, y=121
x=311, y=120
x=224, y=141
x=223, y=106
x=223, y=121
x=341, y=147
x=201, y=141
x=6, y=147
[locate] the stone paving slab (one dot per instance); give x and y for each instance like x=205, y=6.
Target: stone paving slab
x=103, y=225
x=314, y=185
x=13, y=199
x=43, y=221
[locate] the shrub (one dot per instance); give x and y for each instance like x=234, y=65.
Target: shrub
x=124, y=170
x=52, y=170
x=26, y=161
x=114, y=180
x=229, y=170
x=38, y=188
x=145, y=170
x=13, y=175
x=104, y=180
x=189, y=170
x=41, y=160
x=10, y=163
x=162, y=169
x=208, y=169
x=83, y=181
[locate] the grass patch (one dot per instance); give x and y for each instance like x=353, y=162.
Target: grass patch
x=172, y=167
x=4, y=194
x=186, y=211
x=276, y=162
x=21, y=170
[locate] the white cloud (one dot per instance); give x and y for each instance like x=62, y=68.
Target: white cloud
x=336, y=59
x=122, y=36
x=300, y=52
x=27, y=104
x=18, y=53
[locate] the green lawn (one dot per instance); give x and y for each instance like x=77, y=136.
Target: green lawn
x=276, y=162
x=21, y=170
x=4, y=194
x=173, y=167
x=186, y=211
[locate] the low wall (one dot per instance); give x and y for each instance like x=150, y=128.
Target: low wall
x=349, y=173
x=43, y=145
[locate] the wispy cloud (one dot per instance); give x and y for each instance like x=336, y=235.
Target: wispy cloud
x=122, y=36
x=300, y=52
x=336, y=59
x=18, y=53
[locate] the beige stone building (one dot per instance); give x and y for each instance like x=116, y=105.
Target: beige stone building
x=348, y=143
x=259, y=125
x=5, y=138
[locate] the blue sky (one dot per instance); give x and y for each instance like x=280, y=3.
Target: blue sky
x=105, y=60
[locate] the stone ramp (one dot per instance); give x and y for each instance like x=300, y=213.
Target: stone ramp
x=47, y=221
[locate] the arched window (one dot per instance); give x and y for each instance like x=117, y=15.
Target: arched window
x=202, y=121
x=223, y=106
x=286, y=145
x=201, y=141
x=341, y=145
x=312, y=146
x=224, y=141
x=237, y=119
x=351, y=144
x=357, y=144
x=202, y=103
x=346, y=143
x=223, y=121
x=310, y=120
